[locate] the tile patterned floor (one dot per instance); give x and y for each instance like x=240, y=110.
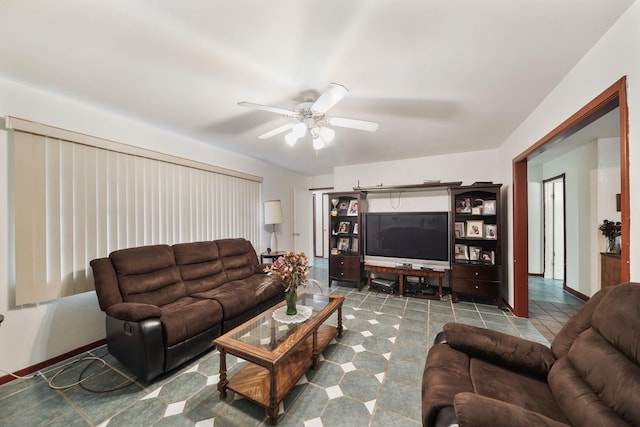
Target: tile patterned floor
x=550, y=306
x=369, y=377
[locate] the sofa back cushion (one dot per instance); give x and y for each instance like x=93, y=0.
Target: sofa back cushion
x=597, y=382
x=200, y=266
x=239, y=259
x=578, y=323
x=148, y=274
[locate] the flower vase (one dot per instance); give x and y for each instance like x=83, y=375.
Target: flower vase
x=611, y=245
x=292, y=298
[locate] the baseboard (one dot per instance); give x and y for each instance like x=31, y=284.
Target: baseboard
x=50, y=362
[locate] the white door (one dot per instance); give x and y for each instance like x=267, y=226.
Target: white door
x=554, y=229
x=303, y=222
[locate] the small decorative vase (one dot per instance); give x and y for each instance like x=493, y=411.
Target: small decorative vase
x=611, y=245
x=292, y=298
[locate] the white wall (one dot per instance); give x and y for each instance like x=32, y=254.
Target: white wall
x=37, y=333
x=612, y=57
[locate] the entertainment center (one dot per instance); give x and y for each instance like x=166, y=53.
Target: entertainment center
x=463, y=237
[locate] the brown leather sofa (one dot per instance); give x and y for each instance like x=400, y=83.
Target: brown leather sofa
x=589, y=377
x=165, y=304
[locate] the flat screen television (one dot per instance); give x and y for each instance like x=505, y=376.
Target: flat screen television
x=418, y=238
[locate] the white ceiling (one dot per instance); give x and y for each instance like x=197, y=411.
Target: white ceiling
x=439, y=76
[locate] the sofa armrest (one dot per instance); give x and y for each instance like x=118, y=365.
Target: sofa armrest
x=133, y=311
x=479, y=411
x=500, y=348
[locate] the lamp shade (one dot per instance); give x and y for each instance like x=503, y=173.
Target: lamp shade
x=272, y=212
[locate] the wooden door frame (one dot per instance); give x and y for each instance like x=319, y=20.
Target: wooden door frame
x=614, y=96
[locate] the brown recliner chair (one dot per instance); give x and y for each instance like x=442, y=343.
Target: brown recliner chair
x=589, y=377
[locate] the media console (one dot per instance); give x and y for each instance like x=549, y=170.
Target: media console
x=402, y=272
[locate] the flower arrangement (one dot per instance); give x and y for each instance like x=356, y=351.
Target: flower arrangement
x=611, y=230
x=292, y=268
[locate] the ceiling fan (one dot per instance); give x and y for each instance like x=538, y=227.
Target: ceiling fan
x=310, y=116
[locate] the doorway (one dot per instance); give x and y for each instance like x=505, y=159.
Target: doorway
x=554, y=229
x=614, y=97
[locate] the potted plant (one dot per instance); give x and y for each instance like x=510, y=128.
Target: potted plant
x=611, y=230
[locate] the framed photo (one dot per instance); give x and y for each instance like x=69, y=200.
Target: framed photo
x=459, y=230
x=489, y=207
x=461, y=252
x=343, y=227
x=474, y=253
x=343, y=244
x=475, y=228
x=487, y=257
x=353, y=208
x=355, y=228
x=343, y=207
x=463, y=205
x=490, y=231
x=354, y=244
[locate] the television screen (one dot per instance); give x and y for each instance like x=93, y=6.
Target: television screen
x=412, y=235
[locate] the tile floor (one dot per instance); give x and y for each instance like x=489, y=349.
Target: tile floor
x=369, y=377
x=550, y=306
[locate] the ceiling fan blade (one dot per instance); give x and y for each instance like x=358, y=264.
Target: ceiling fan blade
x=276, y=131
x=330, y=97
x=268, y=108
x=353, y=124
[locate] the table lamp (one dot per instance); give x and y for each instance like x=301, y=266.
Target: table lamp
x=273, y=216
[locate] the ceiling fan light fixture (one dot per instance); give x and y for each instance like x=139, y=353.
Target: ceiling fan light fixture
x=318, y=143
x=291, y=138
x=327, y=134
x=299, y=129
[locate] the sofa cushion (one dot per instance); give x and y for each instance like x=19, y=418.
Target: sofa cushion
x=200, y=266
x=526, y=391
x=234, y=297
x=148, y=274
x=187, y=317
x=239, y=259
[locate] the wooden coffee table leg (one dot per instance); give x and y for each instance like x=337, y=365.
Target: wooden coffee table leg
x=340, y=321
x=314, y=351
x=223, y=382
x=272, y=410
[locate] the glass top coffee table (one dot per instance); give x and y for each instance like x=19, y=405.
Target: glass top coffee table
x=279, y=353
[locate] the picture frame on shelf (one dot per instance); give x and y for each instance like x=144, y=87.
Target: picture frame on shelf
x=489, y=207
x=474, y=253
x=487, y=257
x=490, y=231
x=459, y=230
x=353, y=208
x=355, y=228
x=463, y=205
x=475, y=228
x=343, y=244
x=461, y=252
x=343, y=207
x=343, y=227
x=354, y=244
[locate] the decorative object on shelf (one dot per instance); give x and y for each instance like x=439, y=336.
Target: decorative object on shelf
x=292, y=268
x=463, y=205
x=343, y=228
x=489, y=207
x=611, y=230
x=273, y=216
x=353, y=207
x=334, y=209
x=459, y=230
x=475, y=228
x=461, y=251
x=490, y=231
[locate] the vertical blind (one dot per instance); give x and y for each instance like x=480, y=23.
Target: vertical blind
x=75, y=202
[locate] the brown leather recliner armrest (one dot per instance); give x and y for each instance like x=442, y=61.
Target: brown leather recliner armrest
x=133, y=311
x=479, y=411
x=500, y=348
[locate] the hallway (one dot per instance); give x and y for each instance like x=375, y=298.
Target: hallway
x=549, y=306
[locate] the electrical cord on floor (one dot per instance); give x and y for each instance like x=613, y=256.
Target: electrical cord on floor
x=82, y=379
x=19, y=377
